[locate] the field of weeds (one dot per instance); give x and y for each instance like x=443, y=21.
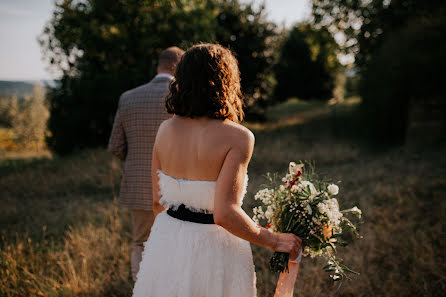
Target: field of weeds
x=62, y=233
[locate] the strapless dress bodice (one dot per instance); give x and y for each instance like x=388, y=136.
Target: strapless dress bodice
x=196, y=195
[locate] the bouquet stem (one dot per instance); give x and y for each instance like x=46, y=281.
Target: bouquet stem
x=279, y=262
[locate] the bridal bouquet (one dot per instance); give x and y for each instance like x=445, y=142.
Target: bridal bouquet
x=306, y=207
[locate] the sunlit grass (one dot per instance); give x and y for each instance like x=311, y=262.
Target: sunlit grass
x=23, y=157
x=62, y=231
x=89, y=259
x=295, y=112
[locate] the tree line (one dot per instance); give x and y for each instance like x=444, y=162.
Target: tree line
x=399, y=48
x=103, y=48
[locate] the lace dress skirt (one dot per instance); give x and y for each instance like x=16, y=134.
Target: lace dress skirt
x=185, y=259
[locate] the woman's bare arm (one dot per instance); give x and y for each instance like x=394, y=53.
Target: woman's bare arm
x=227, y=205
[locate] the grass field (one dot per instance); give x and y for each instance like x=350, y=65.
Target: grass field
x=62, y=233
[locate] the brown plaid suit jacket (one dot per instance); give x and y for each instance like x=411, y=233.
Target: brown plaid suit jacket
x=140, y=112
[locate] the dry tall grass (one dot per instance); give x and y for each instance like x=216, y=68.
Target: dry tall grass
x=62, y=232
x=63, y=235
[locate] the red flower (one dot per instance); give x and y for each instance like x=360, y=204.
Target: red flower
x=268, y=226
x=293, y=182
x=299, y=173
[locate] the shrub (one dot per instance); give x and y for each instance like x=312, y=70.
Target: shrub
x=8, y=110
x=408, y=66
x=25, y=120
x=308, y=64
x=105, y=48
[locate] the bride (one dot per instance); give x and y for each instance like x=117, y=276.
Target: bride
x=199, y=243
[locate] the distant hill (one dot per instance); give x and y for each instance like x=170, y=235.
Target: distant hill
x=17, y=88
x=20, y=88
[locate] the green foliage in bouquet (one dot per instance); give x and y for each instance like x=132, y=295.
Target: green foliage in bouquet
x=306, y=207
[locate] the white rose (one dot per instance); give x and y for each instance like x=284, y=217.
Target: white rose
x=305, y=184
x=322, y=208
x=333, y=189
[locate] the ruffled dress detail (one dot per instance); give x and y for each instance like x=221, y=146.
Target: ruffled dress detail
x=185, y=259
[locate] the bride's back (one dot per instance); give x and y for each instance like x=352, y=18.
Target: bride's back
x=206, y=101
x=195, y=148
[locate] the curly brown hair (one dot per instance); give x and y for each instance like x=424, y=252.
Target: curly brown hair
x=207, y=83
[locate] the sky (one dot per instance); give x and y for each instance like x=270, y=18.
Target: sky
x=22, y=21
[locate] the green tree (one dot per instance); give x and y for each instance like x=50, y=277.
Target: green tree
x=246, y=32
x=365, y=24
x=106, y=47
x=308, y=64
x=408, y=67
x=395, y=44
x=103, y=48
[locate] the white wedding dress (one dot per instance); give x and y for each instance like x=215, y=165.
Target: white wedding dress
x=185, y=259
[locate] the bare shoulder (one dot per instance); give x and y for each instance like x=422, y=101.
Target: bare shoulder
x=237, y=136
x=164, y=127
x=165, y=124
x=163, y=130
x=237, y=129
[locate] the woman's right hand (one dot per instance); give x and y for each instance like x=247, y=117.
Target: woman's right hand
x=287, y=243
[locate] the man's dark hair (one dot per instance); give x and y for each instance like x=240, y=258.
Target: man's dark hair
x=169, y=58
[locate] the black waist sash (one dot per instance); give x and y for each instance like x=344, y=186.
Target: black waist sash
x=184, y=214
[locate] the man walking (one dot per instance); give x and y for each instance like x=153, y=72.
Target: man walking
x=140, y=112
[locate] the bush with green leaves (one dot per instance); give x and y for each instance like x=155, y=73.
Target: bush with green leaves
x=8, y=109
x=398, y=48
x=254, y=40
x=408, y=68
x=104, y=48
x=308, y=65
